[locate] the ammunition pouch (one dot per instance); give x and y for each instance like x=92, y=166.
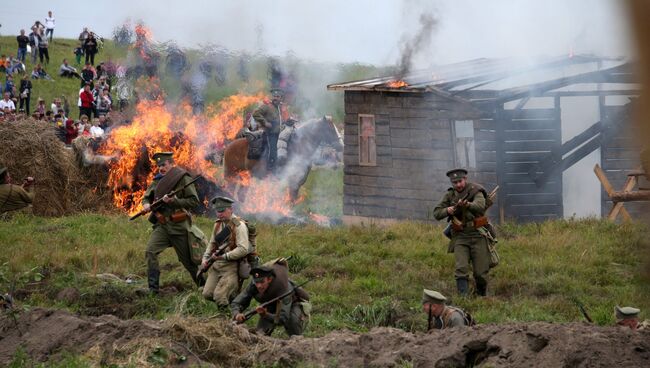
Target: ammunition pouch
x=480, y=222
x=456, y=227
x=160, y=218
x=179, y=216
x=243, y=268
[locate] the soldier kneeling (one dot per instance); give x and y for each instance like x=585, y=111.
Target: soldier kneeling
x=271, y=281
x=441, y=316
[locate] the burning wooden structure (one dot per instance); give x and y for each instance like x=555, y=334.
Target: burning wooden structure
x=500, y=119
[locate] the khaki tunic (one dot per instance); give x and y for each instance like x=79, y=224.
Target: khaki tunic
x=14, y=197
x=172, y=234
x=223, y=284
x=269, y=116
x=467, y=245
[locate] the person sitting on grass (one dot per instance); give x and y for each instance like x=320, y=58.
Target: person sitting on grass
x=39, y=73
x=67, y=70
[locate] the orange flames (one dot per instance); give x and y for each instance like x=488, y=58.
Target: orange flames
x=154, y=128
x=397, y=84
x=143, y=39
x=263, y=196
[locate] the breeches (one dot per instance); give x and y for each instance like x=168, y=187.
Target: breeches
x=222, y=283
x=474, y=250
x=160, y=240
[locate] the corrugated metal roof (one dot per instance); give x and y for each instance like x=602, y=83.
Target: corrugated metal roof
x=486, y=75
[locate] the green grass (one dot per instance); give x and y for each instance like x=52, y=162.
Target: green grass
x=362, y=277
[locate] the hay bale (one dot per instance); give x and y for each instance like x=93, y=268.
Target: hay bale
x=30, y=148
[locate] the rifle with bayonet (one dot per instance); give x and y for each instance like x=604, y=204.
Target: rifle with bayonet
x=583, y=310
x=456, y=221
x=158, y=203
x=252, y=312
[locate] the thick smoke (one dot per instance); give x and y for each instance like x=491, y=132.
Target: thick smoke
x=418, y=44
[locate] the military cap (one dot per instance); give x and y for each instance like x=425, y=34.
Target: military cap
x=259, y=273
x=456, y=174
x=626, y=312
x=433, y=297
x=277, y=92
x=221, y=203
x=162, y=157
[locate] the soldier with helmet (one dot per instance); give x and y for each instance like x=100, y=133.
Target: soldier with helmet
x=464, y=206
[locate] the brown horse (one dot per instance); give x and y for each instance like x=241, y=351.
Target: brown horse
x=302, y=146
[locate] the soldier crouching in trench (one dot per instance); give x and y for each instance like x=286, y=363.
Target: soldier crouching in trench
x=171, y=221
x=464, y=206
x=440, y=315
x=14, y=197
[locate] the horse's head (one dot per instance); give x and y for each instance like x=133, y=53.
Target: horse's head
x=330, y=134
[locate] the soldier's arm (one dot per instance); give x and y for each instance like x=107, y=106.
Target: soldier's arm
x=188, y=197
x=477, y=206
x=210, y=248
x=260, y=116
x=440, y=212
x=26, y=195
x=243, y=246
x=148, y=194
x=243, y=300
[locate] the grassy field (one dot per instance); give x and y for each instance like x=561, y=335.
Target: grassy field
x=362, y=276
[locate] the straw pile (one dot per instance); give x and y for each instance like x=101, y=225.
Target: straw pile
x=30, y=148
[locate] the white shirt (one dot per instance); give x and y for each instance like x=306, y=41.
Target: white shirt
x=96, y=132
x=79, y=102
x=9, y=104
x=49, y=22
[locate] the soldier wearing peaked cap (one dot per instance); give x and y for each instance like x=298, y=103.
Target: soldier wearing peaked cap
x=271, y=116
x=629, y=317
x=464, y=206
x=223, y=281
x=171, y=222
x=441, y=316
x=271, y=280
x=14, y=197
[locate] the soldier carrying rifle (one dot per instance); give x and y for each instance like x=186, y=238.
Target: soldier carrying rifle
x=464, y=205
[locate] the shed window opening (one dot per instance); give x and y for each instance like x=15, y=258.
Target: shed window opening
x=465, y=144
x=367, y=142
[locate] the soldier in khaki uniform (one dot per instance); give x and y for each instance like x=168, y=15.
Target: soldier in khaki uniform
x=271, y=115
x=14, y=197
x=441, y=316
x=230, y=231
x=270, y=281
x=172, y=221
x=464, y=206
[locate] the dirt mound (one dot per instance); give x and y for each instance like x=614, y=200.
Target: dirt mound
x=45, y=334
x=30, y=148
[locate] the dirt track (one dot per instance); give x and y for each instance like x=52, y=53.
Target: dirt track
x=44, y=334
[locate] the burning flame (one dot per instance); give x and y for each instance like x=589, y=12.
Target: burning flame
x=397, y=84
x=263, y=196
x=192, y=138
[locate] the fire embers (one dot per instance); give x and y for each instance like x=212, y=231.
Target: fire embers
x=397, y=84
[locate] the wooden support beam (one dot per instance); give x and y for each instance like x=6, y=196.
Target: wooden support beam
x=616, y=208
x=600, y=174
x=635, y=196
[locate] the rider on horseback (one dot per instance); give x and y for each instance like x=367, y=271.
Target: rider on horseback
x=271, y=116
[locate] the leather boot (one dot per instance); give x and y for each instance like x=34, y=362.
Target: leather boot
x=153, y=279
x=463, y=286
x=481, y=287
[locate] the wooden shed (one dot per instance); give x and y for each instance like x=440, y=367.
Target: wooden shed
x=501, y=119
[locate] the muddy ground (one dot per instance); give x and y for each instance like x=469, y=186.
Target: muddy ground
x=47, y=334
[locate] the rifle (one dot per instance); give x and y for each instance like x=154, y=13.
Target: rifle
x=583, y=310
x=219, y=239
x=156, y=204
x=252, y=312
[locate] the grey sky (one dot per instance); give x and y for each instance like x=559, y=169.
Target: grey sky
x=367, y=31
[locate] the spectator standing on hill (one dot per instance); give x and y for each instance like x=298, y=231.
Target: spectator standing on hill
x=87, y=75
x=70, y=131
x=34, y=39
x=83, y=35
x=10, y=86
x=86, y=101
x=103, y=103
x=66, y=106
x=90, y=48
x=25, y=93
x=23, y=41
x=49, y=25
x=67, y=70
x=43, y=50
x=78, y=53
x=6, y=102
x=40, y=108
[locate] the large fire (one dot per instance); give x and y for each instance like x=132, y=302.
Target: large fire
x=397, y=84
x=192, y=138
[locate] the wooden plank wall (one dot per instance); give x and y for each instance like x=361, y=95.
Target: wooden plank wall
x=527, y=136
x=618, y=156
x=414, y=150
